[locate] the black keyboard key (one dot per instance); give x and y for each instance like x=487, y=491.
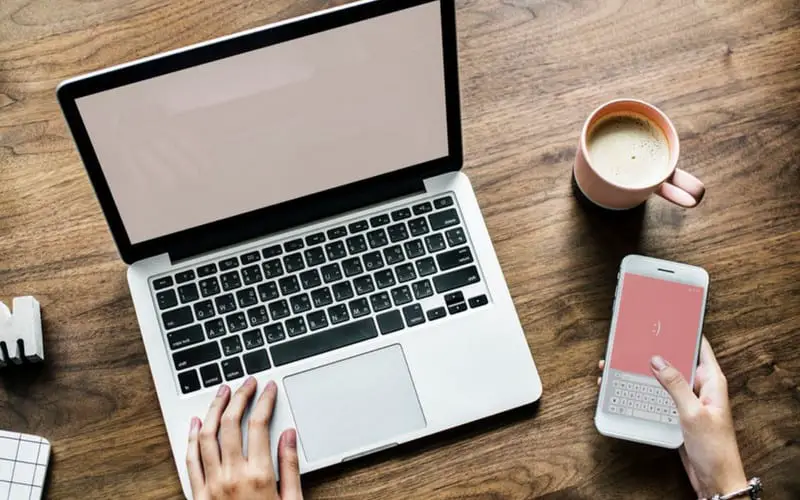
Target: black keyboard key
x=247, y=297
x=373, y=261
x=356, y=244
x=310, y=279
x=338, y=314
x=363, y=284
x=204, y=310
x=379, y=220
x=278, y=309
x=426, y=266
x=453, y=298
x=300, y=303
x=358, y=226
x=342, y=291
x=385, y=278
x=252, y=339
x=230, y=281
x=454, y=258
x=418, y=226
x=414, y=249
x=274, y=333
x=443, y=219
x=400, y=214
x=255, y=362
x=359, y=307
x=225, y=303
x=206, y=270
x=236, y=322
x=394, y=254
x=229, y=263
x=455, y=237
x=478, y=301
x=401, y=295
x=457, y=308
x=250, y=257
x=293, y=262
x=331, y=273
x=189, y=381
x=177, y=317
x=272, y=251
x=185, y=337
x=211, y=375
x=293, y=245
x=435, y=243
x=413, y=315
x=272, y=268
x=390, y=322
x=164, y=282
x=397, y=232
x=335, y=250
x=352, y=267
x=314, y=256
x=380, y=301
x=198, y=355
x=317, y=320
x=232, y=368
x=166, y=299
x=257, y=315
x=337, y=232
x=422, y=208
x=436, y=313
x=209, y=286
x=215, y=328
x=456, y=279
x=231, y=345
x=422, y=289
x=405, y=272
x=315, y=239
x=289, y=285
x=321, y=297
x=377, y=238
x=184, y=276
x=251, y=274
x=295, y=326
x=328, y=340
x=442, y=202
x=267, y=291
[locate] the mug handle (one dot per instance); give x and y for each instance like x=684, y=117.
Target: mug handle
x=682, y=189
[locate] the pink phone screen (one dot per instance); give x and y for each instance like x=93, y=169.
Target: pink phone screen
x=656, y=317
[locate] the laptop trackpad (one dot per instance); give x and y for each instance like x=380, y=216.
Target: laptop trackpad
x=353, y=403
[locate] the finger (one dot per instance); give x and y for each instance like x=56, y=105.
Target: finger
x=230, y=432
x=209, y=446
x=193, y=464
x=258, y=449
x=601, y=364
x=708, y=359
x=289, y=467
x=599, y=381
x=675, y=385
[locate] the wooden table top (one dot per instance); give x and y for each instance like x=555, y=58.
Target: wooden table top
x=727, y=73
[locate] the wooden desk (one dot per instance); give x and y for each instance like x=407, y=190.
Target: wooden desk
x=727, y=72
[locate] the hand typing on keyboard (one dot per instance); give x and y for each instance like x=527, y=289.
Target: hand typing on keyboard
x=709, y=453
x=218, y=469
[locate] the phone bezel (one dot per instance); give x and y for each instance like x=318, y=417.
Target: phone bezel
x=658, y=434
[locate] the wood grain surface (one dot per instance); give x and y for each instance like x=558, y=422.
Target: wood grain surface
x=726, y=71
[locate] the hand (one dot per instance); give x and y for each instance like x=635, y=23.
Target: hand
x=709, y=453
x=218, y=470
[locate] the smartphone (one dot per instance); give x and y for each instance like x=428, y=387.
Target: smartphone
x=658, y=310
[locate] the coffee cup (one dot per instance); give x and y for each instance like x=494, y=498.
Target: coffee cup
x=628, y=150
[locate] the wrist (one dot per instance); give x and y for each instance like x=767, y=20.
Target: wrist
x=731, y=481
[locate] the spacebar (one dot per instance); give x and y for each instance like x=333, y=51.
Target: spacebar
x=325, y=341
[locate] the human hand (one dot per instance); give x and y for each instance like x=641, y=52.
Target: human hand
x=218, y=469
x=709, y=453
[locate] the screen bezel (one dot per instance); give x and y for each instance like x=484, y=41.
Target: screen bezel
x=265, y=220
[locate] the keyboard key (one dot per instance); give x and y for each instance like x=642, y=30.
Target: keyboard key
x=274, y=333
x=207, y=270
x=251, y=274
x=204, y=310
x=335, y=250
x=422, y=208
x=314, y=256
x=293, y=245
x=209, y=286
x=230, y=281
x=418, y=226
x=289, y=285
x=413, y=315
x=373, y=261
x=397, y=232
x=338, y=314
x=321, y=297
x=272, y=251
x=257, y=315
x=315, y=239
x=337, y=232
x=435, y=242
x=317, y=320
x=377, y=238
x=189, y=381
x=293, y=262
x=454, y=298
x=456, y=279
x=185, y=337
x=352, y=267
x=425, y=266
x=255, y=362
x=342, y=291
x=225, y=303
x=436, y=313
x=379, y=220
x=232, y=368
x=328, y=340
x=164, y=282
x=478, y=301
x=198, y=355
x=267, y=291
x=211, y=375
x=229, y=263
x=246, y=297
x=393, y=254
x=380, y=301
x=422, y=289
x=231, y=345
x=443, y=219
x=401, y=295
x=215, y=328
x=454, y=258
x=358, y=226
x=331, y=273
x=401, y=214
x=442, y=202
x=295, y=326
x=300, y=303
x=356, y=244
x=310, y=279
x=385, y=278
x=414, y=249
x=363, y=285
x=405, y=272
x=184, y=276
x=177, y=317
x=166, y=299
x=457, y=308
x=455, y=237
x=359, y=307
x=236, y=322
x=272, y=268
x=250, y=257
x=390, y=322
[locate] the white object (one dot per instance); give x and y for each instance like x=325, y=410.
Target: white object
x=24, y=324
x=23, y=465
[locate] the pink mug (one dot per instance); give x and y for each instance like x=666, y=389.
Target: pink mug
x=677, y=186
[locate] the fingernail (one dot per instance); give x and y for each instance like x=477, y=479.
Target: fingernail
x=250, y=380
x=291, y=438
x=195, y=424
x=658, y=363
x=222, y=390
x=271, y=385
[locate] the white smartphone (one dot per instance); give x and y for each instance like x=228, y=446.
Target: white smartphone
x=658, y=310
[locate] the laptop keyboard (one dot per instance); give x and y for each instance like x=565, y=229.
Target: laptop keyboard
x=282, y=303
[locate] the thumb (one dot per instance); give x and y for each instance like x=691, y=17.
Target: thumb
x=675, y=385
x=289, y=467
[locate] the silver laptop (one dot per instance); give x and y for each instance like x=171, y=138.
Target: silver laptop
x=290, y=203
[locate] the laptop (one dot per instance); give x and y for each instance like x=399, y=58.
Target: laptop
x=291, y=206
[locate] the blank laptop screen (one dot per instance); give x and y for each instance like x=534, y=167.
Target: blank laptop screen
x=274, y=124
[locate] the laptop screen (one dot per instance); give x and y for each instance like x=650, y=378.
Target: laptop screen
x=277, y=123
